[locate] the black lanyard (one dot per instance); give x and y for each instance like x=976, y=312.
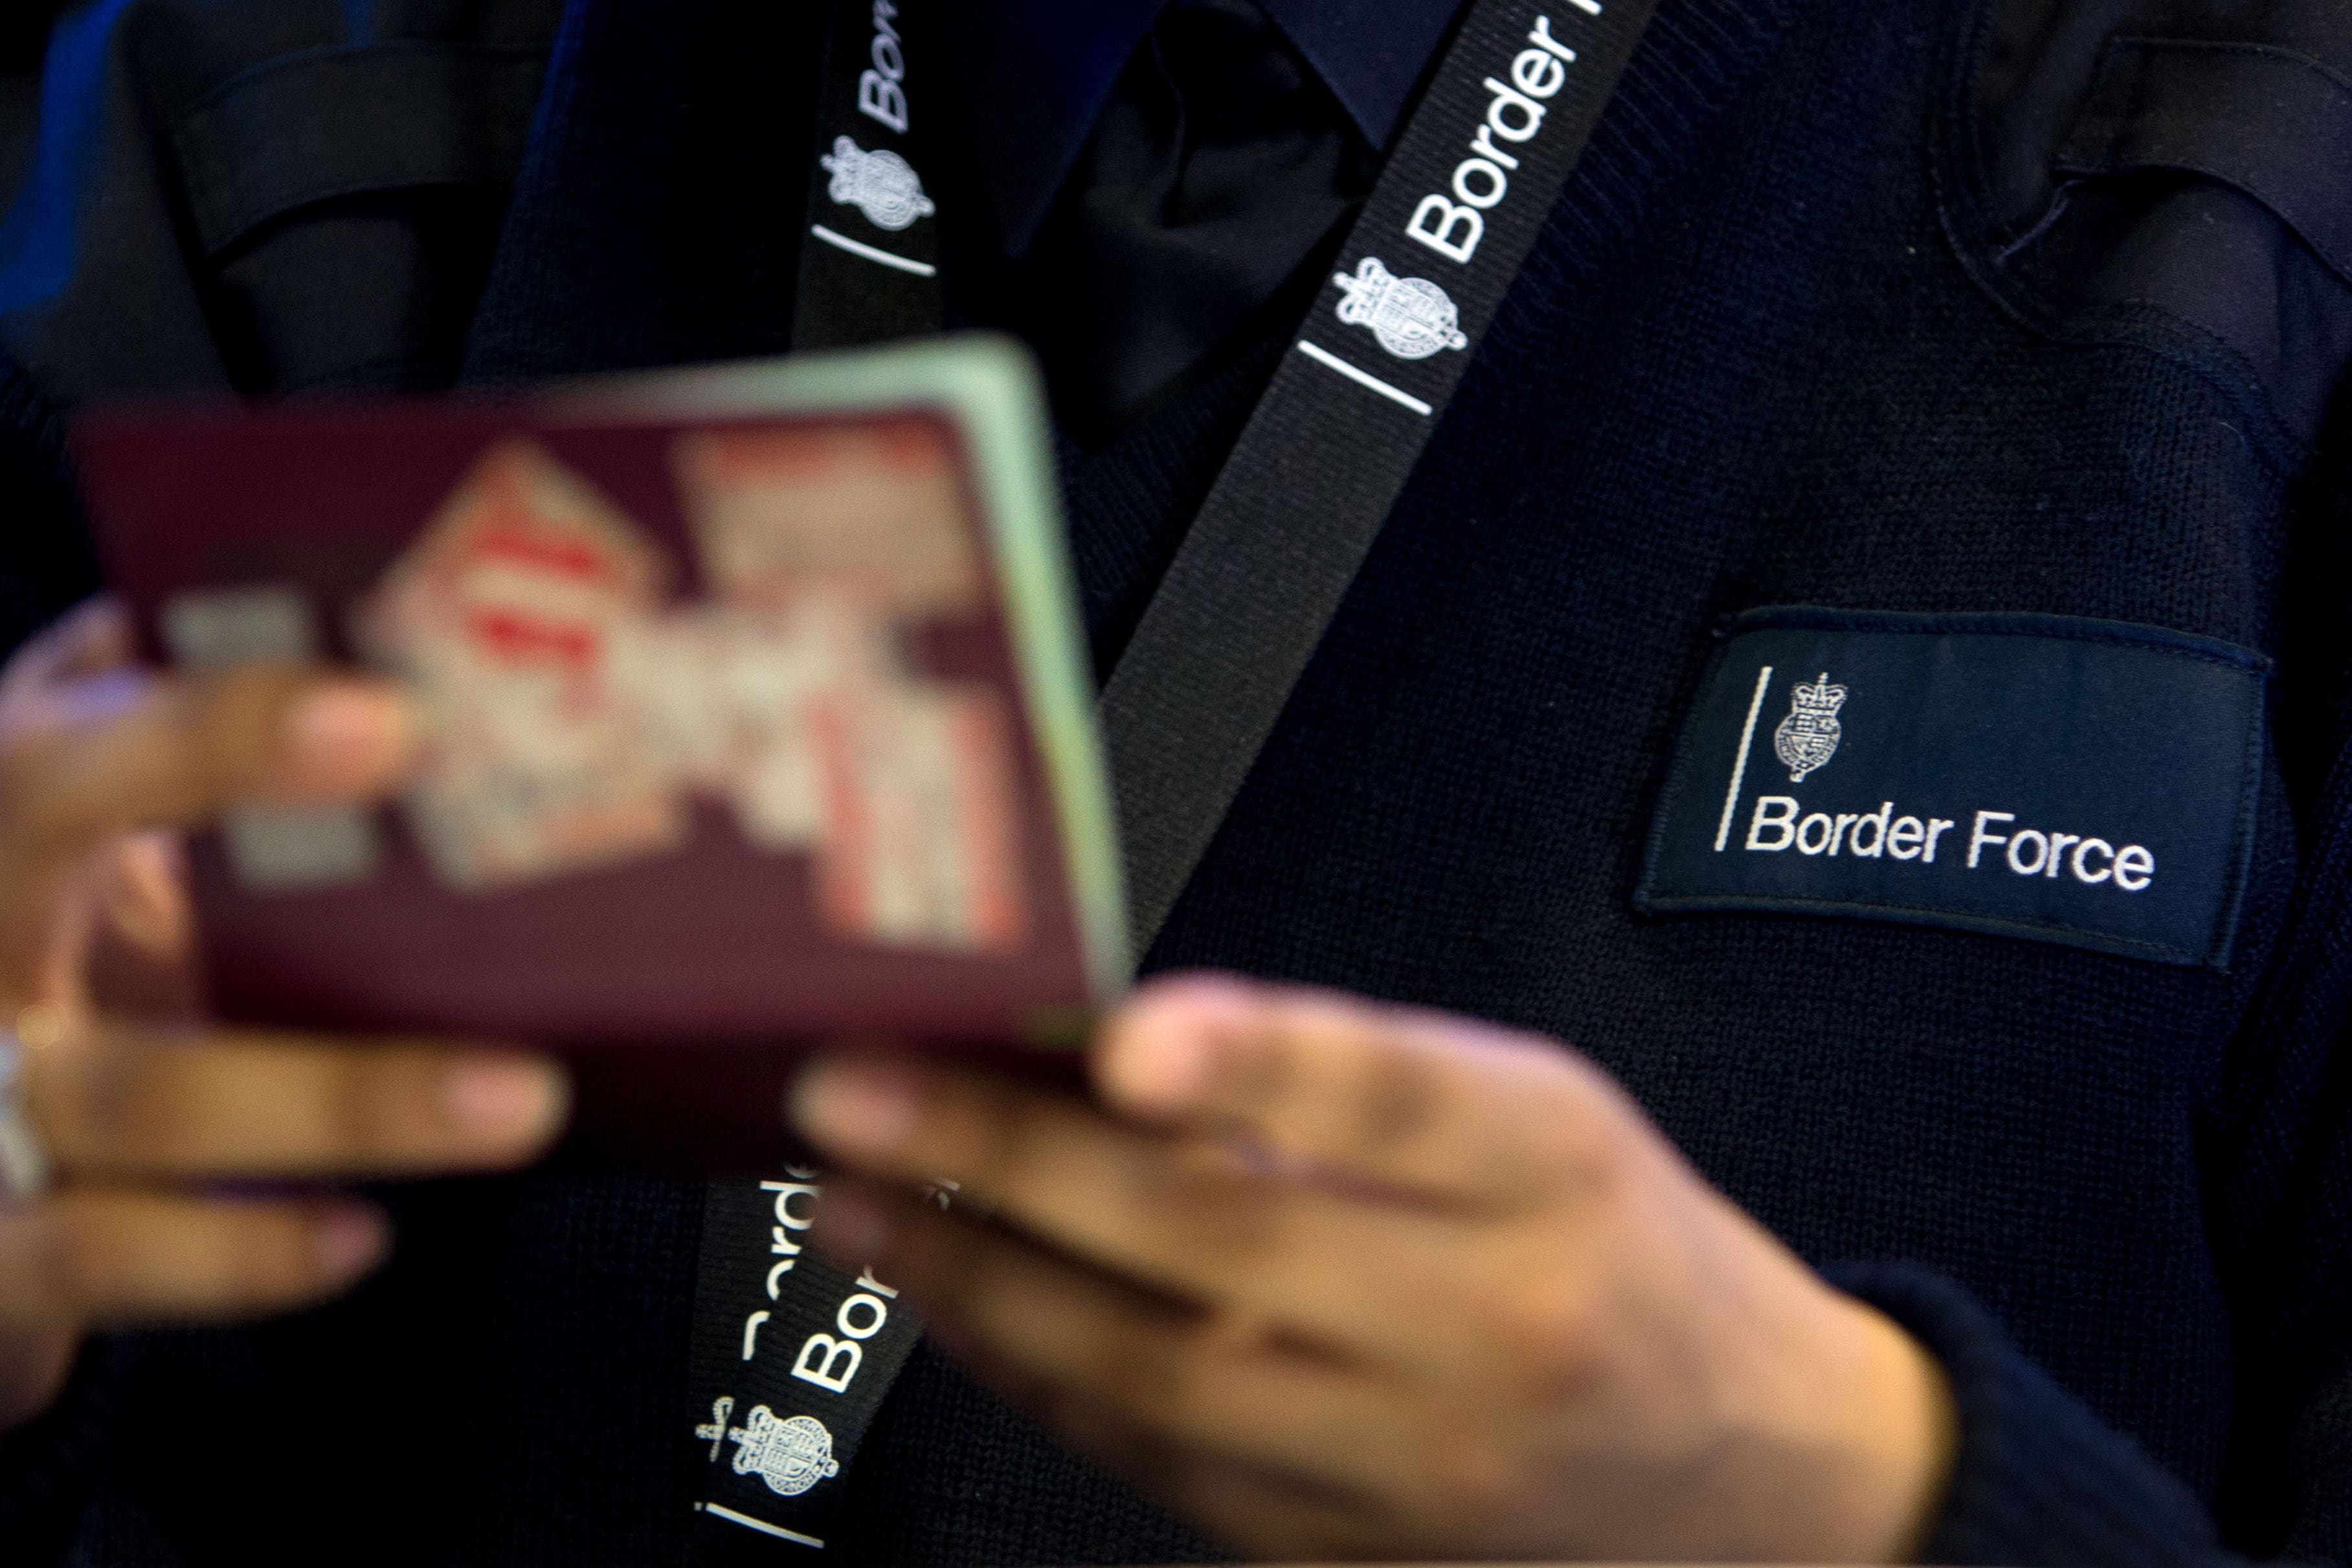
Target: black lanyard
x=870, y=247
x=1325, y=456
x=1260, y=573
x=790, y=1360
x=791, y=1356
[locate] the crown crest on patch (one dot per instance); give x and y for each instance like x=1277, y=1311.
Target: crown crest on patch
x=1808, y=737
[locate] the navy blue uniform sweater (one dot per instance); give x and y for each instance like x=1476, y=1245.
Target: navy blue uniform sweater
x=1837, y=309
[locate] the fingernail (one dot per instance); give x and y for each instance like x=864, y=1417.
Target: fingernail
x=1157, y=1058
x=349, y=1241
x=503, y=1101
x=851, y=1229
x=348, y=728
x=856, y=1107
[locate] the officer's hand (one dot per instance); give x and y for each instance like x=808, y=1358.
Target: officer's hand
x=1342, y=1280
x=146, y=1116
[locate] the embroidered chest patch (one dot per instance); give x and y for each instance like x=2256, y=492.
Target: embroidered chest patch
x=2073, y=781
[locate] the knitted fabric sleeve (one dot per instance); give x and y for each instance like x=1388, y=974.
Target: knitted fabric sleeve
x=49, y=1469
x=2039, y=1479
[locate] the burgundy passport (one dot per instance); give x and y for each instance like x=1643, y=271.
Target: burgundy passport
x=756, y=717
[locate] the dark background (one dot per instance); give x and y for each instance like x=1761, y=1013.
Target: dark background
x=24, y=30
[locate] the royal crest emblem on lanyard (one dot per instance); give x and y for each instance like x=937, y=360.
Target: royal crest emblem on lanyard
x=1412, y=317
x=791, y=1455
x=880, y=183
x=1808, y=737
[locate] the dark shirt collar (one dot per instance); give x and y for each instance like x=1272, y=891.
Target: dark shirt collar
x=1036, y=72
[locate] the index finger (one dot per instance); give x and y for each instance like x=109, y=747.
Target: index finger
x=1423, y=1104
x=129, y=750
x=128, y=1102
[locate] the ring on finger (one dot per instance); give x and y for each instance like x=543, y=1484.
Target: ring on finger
x=24, y=1160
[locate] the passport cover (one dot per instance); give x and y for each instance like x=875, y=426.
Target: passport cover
x=757, y=716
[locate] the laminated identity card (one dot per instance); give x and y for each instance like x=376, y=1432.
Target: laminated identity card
x=755, y=705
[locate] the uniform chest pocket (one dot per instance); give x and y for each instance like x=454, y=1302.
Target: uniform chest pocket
x=2175, y=175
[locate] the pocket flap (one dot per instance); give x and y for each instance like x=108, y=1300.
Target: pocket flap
x=2273, y=122
x=335, y=122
